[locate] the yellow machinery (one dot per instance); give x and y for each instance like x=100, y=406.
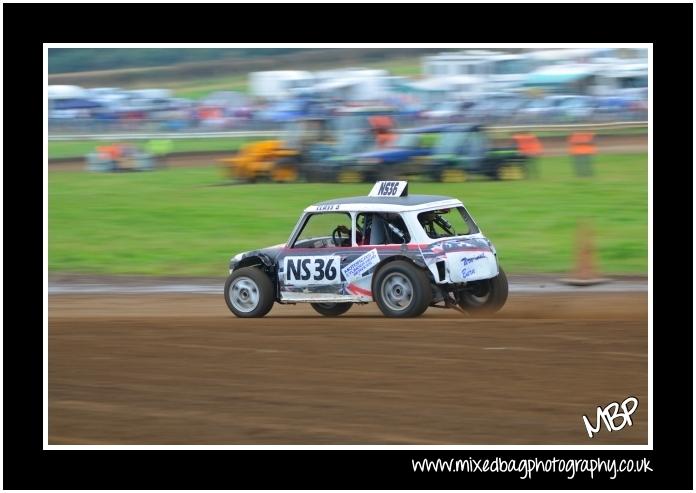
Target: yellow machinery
x=277, y=160
x=262, y=160
x=306, y=139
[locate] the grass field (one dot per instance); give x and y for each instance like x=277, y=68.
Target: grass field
x=642, y=131
x=80, y=148
x=185, y=221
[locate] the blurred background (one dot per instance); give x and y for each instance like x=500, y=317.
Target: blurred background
x=534, y=141
x=221, y=89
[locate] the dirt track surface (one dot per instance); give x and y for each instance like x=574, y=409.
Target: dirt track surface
x=181, y=369
x=610, y=144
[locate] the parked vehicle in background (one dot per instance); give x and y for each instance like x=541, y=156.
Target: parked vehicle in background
x=351, y=84
x=96, y=92
x=277, y=160
x=609, y=108
x=289, y=110
x=495, y=107
x=463, y=151
x=69, y=102
x=327, y=161
x=575, y=109
x=399, y=159
x=355, y=130
x=313, y=147
x=637, y=103
x=536, y=110
x=496, y=70
x=448, y=111
x=557, y=109
x=617, y=75
x=233, y=104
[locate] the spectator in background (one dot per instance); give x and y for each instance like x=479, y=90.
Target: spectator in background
x=529, y=145
x=111, y=155
x=582, y=149
x=382, y=128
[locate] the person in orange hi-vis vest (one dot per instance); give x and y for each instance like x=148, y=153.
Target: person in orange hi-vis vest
x=111, y=153
x=529, y=145
x=382, y=129
x=582, y=148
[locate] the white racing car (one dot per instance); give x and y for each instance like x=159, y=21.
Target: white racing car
x=405, y=252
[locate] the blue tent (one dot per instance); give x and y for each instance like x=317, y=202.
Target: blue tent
x=74, y=104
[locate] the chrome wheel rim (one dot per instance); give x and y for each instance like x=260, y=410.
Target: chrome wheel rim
x=244, y=294
x=397, y=291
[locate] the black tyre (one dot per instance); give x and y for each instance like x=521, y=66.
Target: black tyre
x=331, y=309
x=350, y=176
x=249, y=292
x=317, y=173
x=511, y=171
x=451, y=175
x=402, y=290
x=487, y=296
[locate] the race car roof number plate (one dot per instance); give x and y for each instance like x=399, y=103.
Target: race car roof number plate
x=389, y=189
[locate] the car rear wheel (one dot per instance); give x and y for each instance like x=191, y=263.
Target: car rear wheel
x=249, y=292
x=331, y=309
x=402, y=290
x=487, y=296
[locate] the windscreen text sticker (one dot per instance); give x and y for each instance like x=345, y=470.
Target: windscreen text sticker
x=301, y=271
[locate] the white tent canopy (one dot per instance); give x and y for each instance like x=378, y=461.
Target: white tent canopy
x=66, y=92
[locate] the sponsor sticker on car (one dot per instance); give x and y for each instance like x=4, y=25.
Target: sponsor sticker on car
x=361, y=264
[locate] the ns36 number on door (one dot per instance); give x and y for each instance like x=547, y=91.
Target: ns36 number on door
x=313, y=270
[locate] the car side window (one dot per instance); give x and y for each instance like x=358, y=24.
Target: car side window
x=381, y=229
x=325, y=230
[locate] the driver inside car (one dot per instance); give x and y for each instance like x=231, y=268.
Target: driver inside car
x=376, y=229
x=344, y=230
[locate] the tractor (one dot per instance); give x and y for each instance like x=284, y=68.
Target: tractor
x=463, y=151
x=309, y=143
x=278, y=160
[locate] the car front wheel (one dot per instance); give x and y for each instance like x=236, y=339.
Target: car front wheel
x=249, y=292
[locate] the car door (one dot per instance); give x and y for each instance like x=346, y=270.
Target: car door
x=310, y=269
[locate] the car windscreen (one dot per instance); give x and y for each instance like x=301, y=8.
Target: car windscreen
x=445, y=223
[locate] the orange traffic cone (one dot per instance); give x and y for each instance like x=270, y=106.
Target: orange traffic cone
x=585, y=273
